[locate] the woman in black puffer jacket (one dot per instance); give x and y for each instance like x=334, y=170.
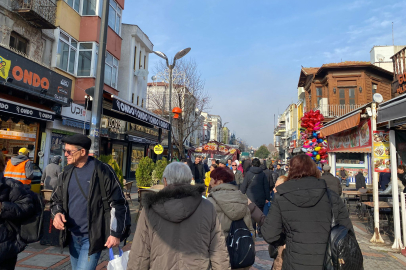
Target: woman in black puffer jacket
x=15, y=205
x=300, y=216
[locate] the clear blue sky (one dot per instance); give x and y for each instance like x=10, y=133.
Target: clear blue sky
x=250, y=52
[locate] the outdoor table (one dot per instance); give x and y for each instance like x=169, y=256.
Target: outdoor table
x=355, y=194
x=385, y=215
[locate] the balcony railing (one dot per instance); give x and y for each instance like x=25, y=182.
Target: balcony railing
x=337, y=110
x=40, y=13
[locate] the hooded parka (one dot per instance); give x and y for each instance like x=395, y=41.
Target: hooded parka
x=178, y=229
x=16, y=205
x=256, y=186
x=52, y=170
x=230, y=205
x=301, y=211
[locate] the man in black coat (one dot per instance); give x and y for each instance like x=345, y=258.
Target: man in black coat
x=268, y=174
x=256, y=186
x=384, y=180
x=246, y=165
x=333, y=183
x=279, y=170
x=360, y=180
x=15, y=204
x=274, y=175
x=197, y=170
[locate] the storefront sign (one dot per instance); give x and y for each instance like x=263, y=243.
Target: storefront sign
x=292, y=144
x=111, y=127
x=20, y=71
x=77, y=112
x=359, y=137
x=381, y=151
x=143, y=129
x=294, y=135
x=402, y=83
x=141, y=115
x=20, y=136
x=24, y=110
x=158, y=149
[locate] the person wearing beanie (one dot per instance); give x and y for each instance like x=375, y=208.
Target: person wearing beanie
x=20, y=168
x=333, y=183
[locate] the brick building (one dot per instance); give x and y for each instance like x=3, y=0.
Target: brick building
x=338, y=88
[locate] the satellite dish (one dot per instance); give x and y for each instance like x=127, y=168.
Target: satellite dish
x=380, y=58
x=377, y=98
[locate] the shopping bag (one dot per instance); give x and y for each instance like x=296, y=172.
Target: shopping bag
x=118, y=262
x=266, y=208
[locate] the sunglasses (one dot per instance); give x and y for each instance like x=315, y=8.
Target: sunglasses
x=234, y=165
x=70, y=152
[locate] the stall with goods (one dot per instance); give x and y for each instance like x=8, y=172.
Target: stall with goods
x=215, y=150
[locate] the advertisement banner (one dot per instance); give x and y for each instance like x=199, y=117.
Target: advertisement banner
x=20, y=71
x=359, y=137
x=25, y=110
x=381, y=151
x=214, y=149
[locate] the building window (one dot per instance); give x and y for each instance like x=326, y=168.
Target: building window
x=66, y=55
x=135, y=58
x=319, y=94
x=115, y=17
x=132, y=98
x=89, y=7
x=342, y=96
x=74, y=4
x=139, y=65
x=145, y=62
x=87, y=52
x=142, y=103
x=138, y=100
x=111, y=71
x=18, y=42
x=351, y=96
x=374, y=88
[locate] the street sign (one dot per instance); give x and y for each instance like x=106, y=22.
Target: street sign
x=158, y=149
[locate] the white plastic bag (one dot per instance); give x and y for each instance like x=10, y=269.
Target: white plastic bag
x=118, y=262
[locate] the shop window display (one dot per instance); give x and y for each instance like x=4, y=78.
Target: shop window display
x=137, y=153
x=120, y=156
x=350, y=158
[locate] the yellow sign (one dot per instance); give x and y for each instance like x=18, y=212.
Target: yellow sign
x=4, y=67
x=158, y=149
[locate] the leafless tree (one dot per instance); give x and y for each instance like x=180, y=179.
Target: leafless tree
x=188, y=94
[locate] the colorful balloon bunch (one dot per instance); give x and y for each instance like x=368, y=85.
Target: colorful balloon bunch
x=314, y=145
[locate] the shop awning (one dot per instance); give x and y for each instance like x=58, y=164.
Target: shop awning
x=392, y=109
x=19, y=109
x=353, y=150
x=345, y=123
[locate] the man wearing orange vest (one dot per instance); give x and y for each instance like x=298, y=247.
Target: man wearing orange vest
x=20, y=168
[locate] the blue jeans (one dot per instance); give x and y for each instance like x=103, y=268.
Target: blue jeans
x=347, y=183
x=79, y=254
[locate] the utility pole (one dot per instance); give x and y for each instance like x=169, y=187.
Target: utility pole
x=97, y=105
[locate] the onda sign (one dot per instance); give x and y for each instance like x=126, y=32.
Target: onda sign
x=32, y=76
x=136, y=113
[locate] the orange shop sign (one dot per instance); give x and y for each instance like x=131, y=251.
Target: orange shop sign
x=402, y=83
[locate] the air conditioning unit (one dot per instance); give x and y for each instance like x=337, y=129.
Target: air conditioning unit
x=323, y=106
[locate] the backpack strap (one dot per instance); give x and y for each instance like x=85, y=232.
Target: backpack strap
x=249, y=182
x=333, y=220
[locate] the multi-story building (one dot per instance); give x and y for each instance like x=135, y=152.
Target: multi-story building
x=338, y=88
x=381, y=56
x=133, y=69
x=216, y=126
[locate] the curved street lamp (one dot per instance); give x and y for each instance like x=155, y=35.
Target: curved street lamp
x=178, y=56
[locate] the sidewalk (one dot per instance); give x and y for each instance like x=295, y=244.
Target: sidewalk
x=37, y=256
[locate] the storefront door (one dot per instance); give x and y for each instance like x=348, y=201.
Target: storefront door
x=137, y=153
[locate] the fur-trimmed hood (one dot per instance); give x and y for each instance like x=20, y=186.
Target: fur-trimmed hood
x=175, y=203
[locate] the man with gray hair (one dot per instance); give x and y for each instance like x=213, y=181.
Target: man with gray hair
x=333, y=183
x=177, y=228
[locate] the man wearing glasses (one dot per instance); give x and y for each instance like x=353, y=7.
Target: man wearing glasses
x=237, y=174
x=88, y=205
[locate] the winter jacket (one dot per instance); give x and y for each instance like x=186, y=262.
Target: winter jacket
x=268, y=174
x=274, y=177
x=343, y=174
x=388, y=190
x=402, y=177
x=333, y=183
x=16, y=205
x=199, y=179
x=50, y=175
x=258, y=189
x=384, y=180
x=240, y=168
x=230, y=205
x=302, y=210
x=238, y=178
x=280, y=172
x=178, y=229
x=360, y=181
x=99, y=228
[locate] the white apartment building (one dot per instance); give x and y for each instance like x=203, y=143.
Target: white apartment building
x=381, y=56
x=216, y=132
x=133, y=69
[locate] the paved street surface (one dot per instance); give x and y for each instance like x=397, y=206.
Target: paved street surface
x=37, y=256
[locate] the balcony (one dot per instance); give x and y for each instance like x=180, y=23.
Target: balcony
x=40, y=13
x=280, y=130
x=337, y=110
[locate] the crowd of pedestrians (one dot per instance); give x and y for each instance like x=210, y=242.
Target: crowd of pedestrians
x=186, y=225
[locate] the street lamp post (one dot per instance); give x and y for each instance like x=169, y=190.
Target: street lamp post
x=178, y=56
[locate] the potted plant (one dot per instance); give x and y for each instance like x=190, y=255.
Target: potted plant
x=108, y=159
x=143, y=174
x=159, y=171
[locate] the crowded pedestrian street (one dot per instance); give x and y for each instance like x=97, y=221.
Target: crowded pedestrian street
x=202, y=135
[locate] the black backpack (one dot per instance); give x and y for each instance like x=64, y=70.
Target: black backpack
x=343, y=251
x=30, y=230
x=240, y=245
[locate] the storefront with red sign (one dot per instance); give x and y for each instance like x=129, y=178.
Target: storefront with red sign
x=351, y=149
